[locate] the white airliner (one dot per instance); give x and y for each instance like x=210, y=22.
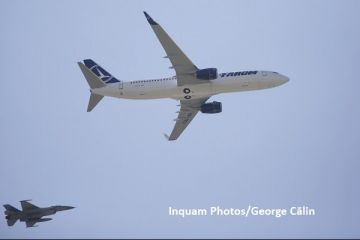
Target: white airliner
x=191, y=85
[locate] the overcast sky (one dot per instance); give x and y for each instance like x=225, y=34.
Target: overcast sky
x=294, y=145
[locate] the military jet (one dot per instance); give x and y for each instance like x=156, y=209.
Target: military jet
x=30, y=213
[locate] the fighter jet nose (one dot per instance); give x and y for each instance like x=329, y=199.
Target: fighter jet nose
x=62, y=208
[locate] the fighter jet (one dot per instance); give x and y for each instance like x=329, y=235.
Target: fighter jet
x=30, y=213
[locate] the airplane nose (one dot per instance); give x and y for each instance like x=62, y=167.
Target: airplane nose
x=62, y=208
x=284, y=79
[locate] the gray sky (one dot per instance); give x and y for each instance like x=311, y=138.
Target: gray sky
x=293, y=145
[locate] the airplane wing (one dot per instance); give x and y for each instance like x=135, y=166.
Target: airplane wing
x=27, y=206
x=183, y=66
x=188, y=110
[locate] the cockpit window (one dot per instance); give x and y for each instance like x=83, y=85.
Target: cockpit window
x=276, y=72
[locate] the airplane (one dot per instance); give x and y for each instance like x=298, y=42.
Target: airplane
x=191, y=86
x=30, y=213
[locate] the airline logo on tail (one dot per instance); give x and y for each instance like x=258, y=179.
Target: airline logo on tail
x=100, y=72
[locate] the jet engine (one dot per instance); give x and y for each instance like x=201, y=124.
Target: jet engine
x=214, y=107
x=206, y=74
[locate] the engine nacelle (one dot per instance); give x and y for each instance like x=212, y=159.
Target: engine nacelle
x=214, y=107
x=207, y=74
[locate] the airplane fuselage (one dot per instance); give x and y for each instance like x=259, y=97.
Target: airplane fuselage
x=30, y=213
x=168, y=88
x=33, y=213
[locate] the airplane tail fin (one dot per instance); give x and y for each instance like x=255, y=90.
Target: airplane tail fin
x=93, y=80
x=92, y=76
x=11, y=220
x=100, y=72
x=97, y=77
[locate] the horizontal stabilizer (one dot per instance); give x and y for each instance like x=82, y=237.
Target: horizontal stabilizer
x=11, y=221
x=10, y=208
x=93, y=80
x=93, y=101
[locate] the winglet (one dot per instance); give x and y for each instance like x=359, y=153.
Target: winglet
x=166, y=136
x=150, y=20
x=27, y=200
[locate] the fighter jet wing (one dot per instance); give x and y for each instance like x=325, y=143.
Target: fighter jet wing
x=188, y=110
x=31, y=223
x=27, y=206
x=184, y=68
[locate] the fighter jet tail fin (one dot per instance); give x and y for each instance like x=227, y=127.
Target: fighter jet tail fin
x=10, y=210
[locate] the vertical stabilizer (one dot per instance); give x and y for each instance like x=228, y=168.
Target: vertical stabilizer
x=100, y=72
